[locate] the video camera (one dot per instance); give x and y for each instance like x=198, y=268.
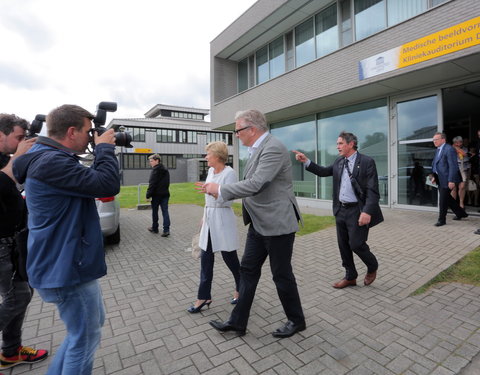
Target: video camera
x=123, y=139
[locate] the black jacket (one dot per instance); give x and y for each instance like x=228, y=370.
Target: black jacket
x=365, y=172
x=159, y=182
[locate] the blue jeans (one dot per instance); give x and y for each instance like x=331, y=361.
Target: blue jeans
x=16, y=295
x=163, y=203
x=81, y=309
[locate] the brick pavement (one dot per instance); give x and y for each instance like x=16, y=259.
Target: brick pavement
x=378, y=329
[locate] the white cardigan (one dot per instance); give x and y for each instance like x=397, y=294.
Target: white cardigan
x=218, y=216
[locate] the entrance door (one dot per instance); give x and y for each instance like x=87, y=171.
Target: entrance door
x=414, y=122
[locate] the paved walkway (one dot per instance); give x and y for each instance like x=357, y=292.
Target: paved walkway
x=378, y=329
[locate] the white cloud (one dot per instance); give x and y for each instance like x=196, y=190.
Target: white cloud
x=136, y=53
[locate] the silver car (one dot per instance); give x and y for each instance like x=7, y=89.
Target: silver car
x=109, y=213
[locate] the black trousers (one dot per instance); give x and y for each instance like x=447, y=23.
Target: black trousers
x=444, y=202
x=279, y=251
x=352, y=238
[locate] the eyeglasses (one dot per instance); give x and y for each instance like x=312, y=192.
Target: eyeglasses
x=239, y=130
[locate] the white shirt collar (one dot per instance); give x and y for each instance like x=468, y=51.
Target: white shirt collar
x=257, y=143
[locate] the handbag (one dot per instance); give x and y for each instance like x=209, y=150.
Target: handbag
x=471, y=185
x=196, y=250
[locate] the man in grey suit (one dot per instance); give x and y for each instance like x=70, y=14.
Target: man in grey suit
x=355, y=205
x=270, y=207
x=446, y=175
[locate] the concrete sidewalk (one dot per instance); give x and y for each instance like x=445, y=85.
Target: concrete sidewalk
x=378, y=329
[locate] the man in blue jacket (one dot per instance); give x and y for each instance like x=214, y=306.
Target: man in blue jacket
x=445, y=169
x=65, y=244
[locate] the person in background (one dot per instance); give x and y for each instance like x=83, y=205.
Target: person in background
x=219, y=228
x=15, y=292
x=463, y=161
x=270, y=207
x=445, y=175
x=65, y=243
x=355, y=205
x=158, y=186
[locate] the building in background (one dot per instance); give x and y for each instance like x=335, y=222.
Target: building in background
x=392, y=72
x=178, y=134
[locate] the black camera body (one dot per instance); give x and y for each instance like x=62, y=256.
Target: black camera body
x=122, y=139
x=35, y=127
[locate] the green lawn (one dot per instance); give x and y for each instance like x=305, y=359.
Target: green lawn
x=184, y=193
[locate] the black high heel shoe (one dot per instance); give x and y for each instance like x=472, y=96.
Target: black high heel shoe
x=193, y=310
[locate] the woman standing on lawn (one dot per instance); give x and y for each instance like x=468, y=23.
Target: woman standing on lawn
x=219, y=228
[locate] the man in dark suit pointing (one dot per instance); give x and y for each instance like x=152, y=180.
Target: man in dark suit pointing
x=355, y=205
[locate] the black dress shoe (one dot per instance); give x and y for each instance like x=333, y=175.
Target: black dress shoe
x=227, y=327
x=439, y=223
x=477, y=231
x=289, y=329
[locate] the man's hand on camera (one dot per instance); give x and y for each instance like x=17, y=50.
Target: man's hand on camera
x=107, y=137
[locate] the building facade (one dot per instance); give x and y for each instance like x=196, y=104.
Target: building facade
x=178, y=134
x=392, y=72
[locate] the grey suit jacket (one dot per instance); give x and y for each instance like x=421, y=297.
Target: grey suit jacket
x=267, y=191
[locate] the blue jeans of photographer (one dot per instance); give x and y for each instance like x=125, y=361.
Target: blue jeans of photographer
x=16, y=295
x=81, y=309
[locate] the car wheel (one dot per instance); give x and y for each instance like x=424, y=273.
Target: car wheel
x=114, y=238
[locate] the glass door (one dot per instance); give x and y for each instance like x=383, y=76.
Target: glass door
x=414, y=122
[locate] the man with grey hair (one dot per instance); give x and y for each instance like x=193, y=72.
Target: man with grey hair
x=270, y=207
x=158, y=186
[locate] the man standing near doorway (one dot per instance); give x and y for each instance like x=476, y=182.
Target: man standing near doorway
x=355, y=205
x=158, y=190
x=445, y=175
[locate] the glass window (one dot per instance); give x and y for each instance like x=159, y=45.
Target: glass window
x=369, y=17
x=299, y=134
x=369, y=122
x=243, y=75
x=417, y=119
x=326, y=30
x=290, y=51
x=276, y=57
x=251, y=71
x=346, y=33
x=138, y=134
x=304, y=43
x=262, y=65
x=438, y=2
x=400, y=10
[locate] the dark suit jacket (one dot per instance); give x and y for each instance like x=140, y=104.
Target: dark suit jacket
x=447, y=167
x=365, y=172
x=159, y=182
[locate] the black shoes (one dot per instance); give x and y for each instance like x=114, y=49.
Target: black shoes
x=165, y=234
x=150, y=229
x=289, y=329
x=439, y=223
x=460, y=217
x=227, y=327
x=477, y=231
x=193, y=310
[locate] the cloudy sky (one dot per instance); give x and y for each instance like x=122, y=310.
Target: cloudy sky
x=137, y=53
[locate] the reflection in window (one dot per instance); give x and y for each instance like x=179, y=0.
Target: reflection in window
x=346, y=34
x=400, y=10
x=369, y=17
x=299, y=134
x=277, y=58
x=417, y=119
x=369, y=122
x=326, y=30
x=304, y=43
x=414, y=165
x=262, y=65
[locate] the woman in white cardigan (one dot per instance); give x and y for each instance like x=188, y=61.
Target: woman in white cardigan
x=219, y=228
